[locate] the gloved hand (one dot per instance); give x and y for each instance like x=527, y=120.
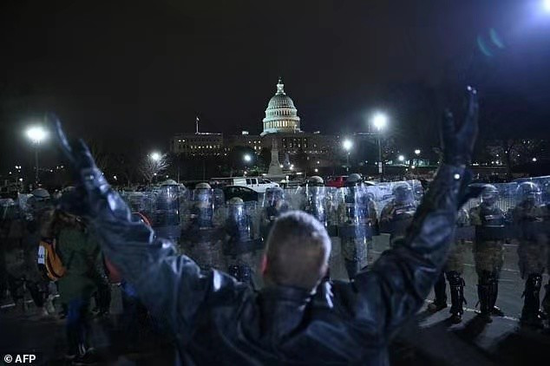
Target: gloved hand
x=458, y=141
x=90, y=183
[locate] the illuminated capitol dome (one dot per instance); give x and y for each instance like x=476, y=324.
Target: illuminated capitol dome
x=281, y=115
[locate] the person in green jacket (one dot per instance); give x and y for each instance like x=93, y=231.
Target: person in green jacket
x=80, y=254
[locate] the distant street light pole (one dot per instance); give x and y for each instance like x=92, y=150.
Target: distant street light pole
x=36, y=134
x=347, y=144
x=379, y=121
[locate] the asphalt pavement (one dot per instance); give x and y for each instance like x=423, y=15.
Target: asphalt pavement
x=429, y=339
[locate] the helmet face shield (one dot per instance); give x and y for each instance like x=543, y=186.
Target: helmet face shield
x=489, y=196
x=273, y=196
x=529, y=193
x=403, y=193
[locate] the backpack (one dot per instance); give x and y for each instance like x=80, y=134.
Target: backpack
x=49, y=260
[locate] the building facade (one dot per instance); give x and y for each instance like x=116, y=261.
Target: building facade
x=281, y=123
x=197, y=144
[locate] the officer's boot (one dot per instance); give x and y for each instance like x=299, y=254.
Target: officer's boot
x=456, y=283
x=530, y=315
x=440, y=301
x=495, y=310
x=484, y=295
x=352, y=267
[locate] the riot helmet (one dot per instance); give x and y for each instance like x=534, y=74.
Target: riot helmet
x=402, y=193
x=203, y=205
x=40, y=194
x=169, y=182
x=274, y=195
x=235, y=207
x=353, y=180
x=315, y=181
x=489, y=195
x=315, y=185
x=529, y=193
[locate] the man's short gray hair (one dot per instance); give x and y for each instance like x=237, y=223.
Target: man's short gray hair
x=298, y=249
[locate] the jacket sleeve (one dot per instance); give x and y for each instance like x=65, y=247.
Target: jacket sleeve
x=172, y=287
x=394, y=288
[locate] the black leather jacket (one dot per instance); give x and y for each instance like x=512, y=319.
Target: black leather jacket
x=217, y=321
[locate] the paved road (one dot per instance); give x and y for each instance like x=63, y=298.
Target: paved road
x=427, y=340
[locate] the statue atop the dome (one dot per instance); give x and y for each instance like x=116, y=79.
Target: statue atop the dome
x=280, y=86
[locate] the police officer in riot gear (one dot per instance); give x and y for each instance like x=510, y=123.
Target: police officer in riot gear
x=453, y=270
x=240, y=244
x=397, y=215
x=166, y=216
x=203, y=235
x=274, y=205
x=355, y=227
x=488, y=248
x=528, y=216
x=315, y=203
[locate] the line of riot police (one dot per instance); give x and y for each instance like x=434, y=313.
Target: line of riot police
x=230, y=235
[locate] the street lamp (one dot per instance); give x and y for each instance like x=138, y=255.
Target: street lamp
x=379, y=121
x=417, y=152
x=401, y=158
x=36, y=134
x=155, y=156
x=347, y=145
x=247, y=158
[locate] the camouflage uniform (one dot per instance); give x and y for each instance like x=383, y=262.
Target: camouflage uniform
x=453, y=270
x=488, y=251
x=528, y=216
x=398, y=213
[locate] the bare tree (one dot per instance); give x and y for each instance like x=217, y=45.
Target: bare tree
x=152, y=165
x=513, y=151
x=101, y=157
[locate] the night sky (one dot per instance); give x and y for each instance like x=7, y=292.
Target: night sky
x=142, y=70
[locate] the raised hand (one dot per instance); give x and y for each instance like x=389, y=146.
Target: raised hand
x=88, y=179
x=458, y=141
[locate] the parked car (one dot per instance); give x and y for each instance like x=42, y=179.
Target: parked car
x=257, y=184
x=245, y=193
x=337, y=182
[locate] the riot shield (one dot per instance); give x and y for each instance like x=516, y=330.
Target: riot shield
x=397, y=214
x=354, y=228
x=331, y=199
x=241, y=239
x=203, y=231
x=166, y=218
x=273, y=205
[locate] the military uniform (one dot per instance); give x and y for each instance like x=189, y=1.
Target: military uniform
x=397, y=215
x=488, y=250
x=453, y=270
x=528, y=216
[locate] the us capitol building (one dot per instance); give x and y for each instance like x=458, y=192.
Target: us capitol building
x=281, y=126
